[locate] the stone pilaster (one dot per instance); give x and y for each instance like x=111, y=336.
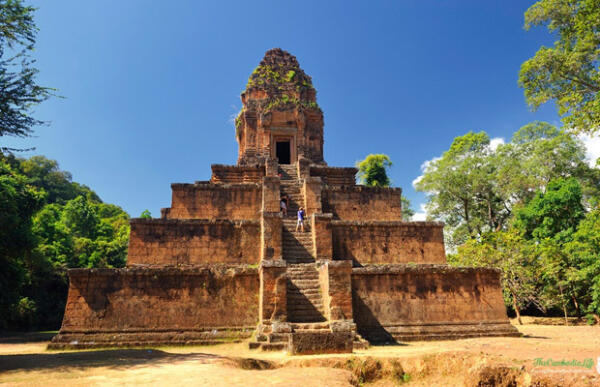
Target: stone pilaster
x=303, y=167
x=311, y=190
x=273, y=291
x=271, y=194
x=336, y=284
x=271, y=224
x=322, y=236
x=271, y=167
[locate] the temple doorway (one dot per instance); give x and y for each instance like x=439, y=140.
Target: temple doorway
x=283, y=151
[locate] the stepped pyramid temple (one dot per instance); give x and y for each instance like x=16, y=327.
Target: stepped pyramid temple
x=224, y=264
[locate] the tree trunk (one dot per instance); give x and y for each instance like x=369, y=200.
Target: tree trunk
x=514, y=300
x=577, y=310
x=564, y=304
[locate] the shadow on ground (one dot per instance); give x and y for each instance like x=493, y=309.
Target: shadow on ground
x=113, y=359
x=26, y=337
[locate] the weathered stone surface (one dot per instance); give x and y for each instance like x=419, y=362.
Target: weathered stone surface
x=138, y=305
x=361, y=203
x=193, y=242
x=205, y=200
x=388, y=242
x=227, y=174
x=306, y=343
x=279, y=102
x=420, y=302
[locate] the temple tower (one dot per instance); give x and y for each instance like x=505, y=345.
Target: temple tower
x=280, y=118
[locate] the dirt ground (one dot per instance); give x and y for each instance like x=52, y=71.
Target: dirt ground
x=479, y=361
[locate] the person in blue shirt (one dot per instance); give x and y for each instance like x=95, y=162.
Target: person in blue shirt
x=300, y=222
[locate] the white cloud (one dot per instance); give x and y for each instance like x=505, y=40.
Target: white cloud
x=494, y=142
x=421, y=214
x=592, y=147
x=423, y=168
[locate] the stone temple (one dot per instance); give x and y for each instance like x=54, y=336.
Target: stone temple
x=223, y=264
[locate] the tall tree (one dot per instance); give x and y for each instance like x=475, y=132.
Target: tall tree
x=569, y=72
x=550, y=220
x=474, y=188
x=19, y=90
x=460, y=187
x=372, y=172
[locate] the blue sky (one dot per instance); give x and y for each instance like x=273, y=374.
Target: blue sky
x=150, y=87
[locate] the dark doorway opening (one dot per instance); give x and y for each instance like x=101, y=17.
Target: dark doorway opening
x=282, y=152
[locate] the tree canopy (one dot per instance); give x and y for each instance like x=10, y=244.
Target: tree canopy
x=372, y=172
x=19, y=90
x=48, y=224
x=569, y=72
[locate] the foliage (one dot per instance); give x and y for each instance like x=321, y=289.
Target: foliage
x=474, y=189
x=49, y=224
x=407, y=211
x=511, y=253
x=568, y=72
x=583, y=251
x=18, y=202
x=146, y=215
x=19, y=90
x=461, y=189
x=558, y=210
x=372, y=171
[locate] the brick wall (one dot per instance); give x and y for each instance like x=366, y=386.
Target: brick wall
x=388, y=242
x=335, y=176
x=193, y=241
x=427, y=301
x=236, y=174
x=215, y=201
x=141, y=304
x=362, y=203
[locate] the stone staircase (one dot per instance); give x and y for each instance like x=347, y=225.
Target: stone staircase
x=277, y=336
x=304, y=297
x=297, y=247
x=290, y=186
x=306, y=321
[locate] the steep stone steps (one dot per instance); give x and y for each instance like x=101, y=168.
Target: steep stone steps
x=304, y=298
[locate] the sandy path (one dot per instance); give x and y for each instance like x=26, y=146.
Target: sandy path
x=30, y=364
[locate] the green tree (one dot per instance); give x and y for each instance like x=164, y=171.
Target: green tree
x=583, y=251
x=372, y=171
x=550, y=220
x=407, y=211
x=568, y=72
x=461, y=188
x=45, y=174
x=511, y=253
x=146, y=215
x=474, y=188
x=18, y=202
x=19, y=90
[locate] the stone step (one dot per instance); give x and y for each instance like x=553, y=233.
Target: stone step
x=304, y=283
x=306, y=319
x=298, y=249
x=317, y=326
x=303, y=275
x=273, y=346
x=278, y=337
x=306, y=297
x=299, y=260
x=307, y=292
x=305, y=307
x=299, y=275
